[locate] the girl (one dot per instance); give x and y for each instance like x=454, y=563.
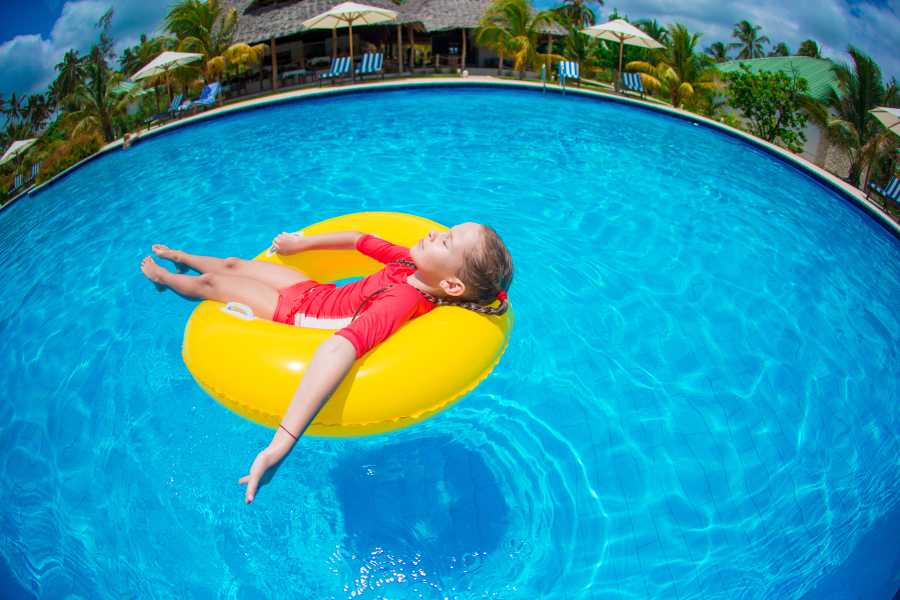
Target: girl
x=467, y=266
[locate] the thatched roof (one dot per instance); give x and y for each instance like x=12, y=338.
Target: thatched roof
x=441, y=15
x=259, y=21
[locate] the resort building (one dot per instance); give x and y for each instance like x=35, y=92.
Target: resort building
x=426, y=33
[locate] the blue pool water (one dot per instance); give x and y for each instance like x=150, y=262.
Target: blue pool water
x=699, y=399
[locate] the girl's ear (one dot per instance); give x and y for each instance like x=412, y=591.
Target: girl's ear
x=453, y=287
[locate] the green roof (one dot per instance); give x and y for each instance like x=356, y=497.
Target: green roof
x=815, y=71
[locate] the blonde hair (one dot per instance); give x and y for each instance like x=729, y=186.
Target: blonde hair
x=487, y=270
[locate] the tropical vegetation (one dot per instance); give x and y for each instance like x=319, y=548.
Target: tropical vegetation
x=770, y=104
x=512, y=28
x=677, y=72
x=843, y=117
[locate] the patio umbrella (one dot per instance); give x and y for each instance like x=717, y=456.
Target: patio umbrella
x=17, y=150
x=891, y=119
x=623, y=32
x=889, y=116
x=162, y=64
x=345, y=15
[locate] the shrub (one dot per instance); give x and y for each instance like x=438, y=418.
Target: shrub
x=62, y=155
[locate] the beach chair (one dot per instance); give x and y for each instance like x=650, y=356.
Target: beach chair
x=299, y=73
x=568, y=70
x=173, y=108
x=35, y=169
x=891, y=192
x=207, y=97
x=340, y=67
x=633, y=82
x=17, y=183
x=372, y=64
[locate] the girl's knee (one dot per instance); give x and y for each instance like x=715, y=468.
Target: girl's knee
x=231, y=263
x=207, y=279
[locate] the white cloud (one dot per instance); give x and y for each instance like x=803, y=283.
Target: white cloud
x=28, y=60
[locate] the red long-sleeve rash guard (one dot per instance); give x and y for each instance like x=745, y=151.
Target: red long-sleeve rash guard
x=327, y=307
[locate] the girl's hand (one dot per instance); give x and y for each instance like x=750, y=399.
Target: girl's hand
x=264, y=461
x=288, y=243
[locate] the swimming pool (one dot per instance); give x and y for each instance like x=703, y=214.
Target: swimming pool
x=698, y=400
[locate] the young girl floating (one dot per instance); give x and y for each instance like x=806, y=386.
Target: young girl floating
x=467, y=266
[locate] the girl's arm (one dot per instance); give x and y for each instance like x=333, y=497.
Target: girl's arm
x=330, y=363
x=288, y=243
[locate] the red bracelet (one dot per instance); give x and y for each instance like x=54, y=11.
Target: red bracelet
x=289, y=433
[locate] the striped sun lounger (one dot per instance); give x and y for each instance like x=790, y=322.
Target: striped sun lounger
x=371, y=65
x=633, y=82
x=892, y=191
x=35, y=169
x=568, y=70
x=17, y=183
x=207, y=97
x=340, y=67
x=173, y=108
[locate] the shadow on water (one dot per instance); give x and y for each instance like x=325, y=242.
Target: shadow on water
x=419, y=512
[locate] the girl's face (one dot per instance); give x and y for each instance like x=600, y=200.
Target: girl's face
x=440, y=255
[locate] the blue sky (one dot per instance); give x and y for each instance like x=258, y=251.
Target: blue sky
x=35, y=34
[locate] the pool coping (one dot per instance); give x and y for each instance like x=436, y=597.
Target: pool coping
x=854, y=195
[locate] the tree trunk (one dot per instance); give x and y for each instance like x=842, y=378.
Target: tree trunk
x=412, y=48
x=500, y=66
x=399, y=50
x=274, y=67
x=464, y=49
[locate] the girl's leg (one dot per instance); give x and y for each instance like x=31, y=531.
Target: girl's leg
x=261, y=298
x=277, y=277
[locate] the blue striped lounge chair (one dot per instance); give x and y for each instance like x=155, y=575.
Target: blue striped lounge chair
x=35, y=169
x=371, y=65
x=173, y=108
x=17, y=183
x=207, y=97
x=568, y=70
x=340, y=67
x=891, y=192
x=633, y=82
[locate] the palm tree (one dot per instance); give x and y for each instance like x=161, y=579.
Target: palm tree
x=680, y=74
x=576, y=14
x=749, y=43
x=513, y=27
x=843, y=116
x=97, y=104
x=38, y=111
x=578, y=47
x=71, y=72
x=653, y=29
x=810, y=48
x=718, y=52
x=780, y=49
x=208, y=28
x=15, y=109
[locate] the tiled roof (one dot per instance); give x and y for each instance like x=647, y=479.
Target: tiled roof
x=815, y=71
x=283, y=19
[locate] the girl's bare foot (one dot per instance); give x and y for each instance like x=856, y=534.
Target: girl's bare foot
x=154, y=273
x=168, y=254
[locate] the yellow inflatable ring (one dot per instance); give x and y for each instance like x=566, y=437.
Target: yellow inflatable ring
x=252, y=367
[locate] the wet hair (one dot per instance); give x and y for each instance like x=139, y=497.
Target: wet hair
x=487, y=270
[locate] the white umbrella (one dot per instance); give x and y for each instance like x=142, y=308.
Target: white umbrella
x=345, y=15
x=162, y=64
x=623, y=32
x=889, y=116
x=891, y=119
x=18, y=148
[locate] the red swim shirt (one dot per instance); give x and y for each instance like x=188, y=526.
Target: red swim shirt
x=328, y=307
